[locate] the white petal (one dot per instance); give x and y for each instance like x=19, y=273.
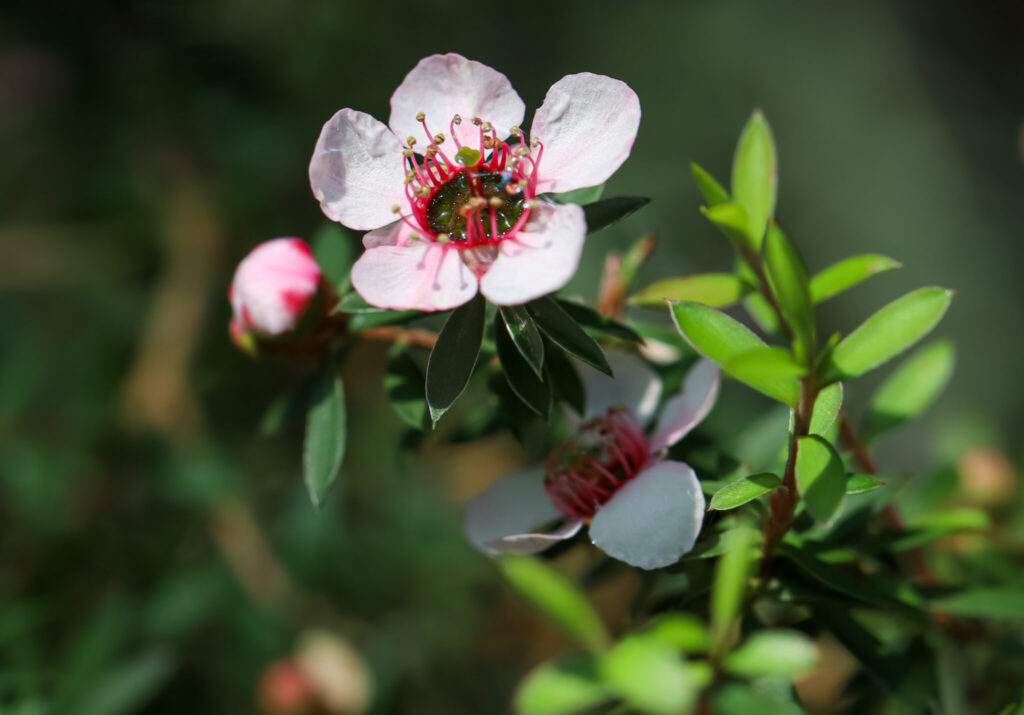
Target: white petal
x=511, y=506
x=419, y=276
x=398, y=233
x=539, y=259
x=686, y=410
x=536, y=542
x=635, y=386
x=357, y=171
x=654, y=519
x=587, y=124
x=442, y=86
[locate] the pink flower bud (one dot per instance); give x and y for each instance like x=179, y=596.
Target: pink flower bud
x=284, y=689
x=273, y=286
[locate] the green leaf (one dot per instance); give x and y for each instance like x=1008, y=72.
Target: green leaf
x=324, y=446
x=683, y=631
x=353, y=304
x=889, y=332
x=862, y=484
x=557, y=598
x=780, y=653
x=525, y=335
x=332, y=249
x=714, y=289
x=524, y=382
x=761, y=311
x=770, y=370
x=767, y=696
x=836, y=578
x=562, y=688
x=731, y=220
x=984, y=602
x=820, y=475
x=584, y=196
x=755, y=175
x=847, y=273
x=129, y=687
x=454, y=355
x=590, y=318
x=602, y=214
x=826, y=408
x=913, y=387
x=403, y=381
x=787, y=279
x=744, y=490
x=649, y=675
x=730, y=583
x=559, y=326
x=710, y=189
x=568, y=386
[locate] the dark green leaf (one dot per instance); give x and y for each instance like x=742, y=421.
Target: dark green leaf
x=848, y=273
x=353, y=304
x=525, y=335
x=715, y=289
x=755, y=175
x=984, y=602
x=559, y=326
x=528, y=387
x=820, y=476
x=584, y=196
x=562, y=376
x=590, y=318
x=710, y=189
x=836, y=578
x=915, y=385
x=564, y=688
x=744, y=490
x=403, y=381
x=454, y=355
x=602, y=214
x=788, y=281
x=332, y=249
x=129, y=687
x=324, y=446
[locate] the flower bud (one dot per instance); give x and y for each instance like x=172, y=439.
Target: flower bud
x=285, y=689
x=272, y=288
x=986, y=476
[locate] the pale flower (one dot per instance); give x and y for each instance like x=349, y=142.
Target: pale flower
x=464, y=181
x=642, y=508
x=272, y=287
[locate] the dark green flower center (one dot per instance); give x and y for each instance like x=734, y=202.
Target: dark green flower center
x=449, y=209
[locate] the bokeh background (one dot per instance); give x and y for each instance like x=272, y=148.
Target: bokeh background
x=157, y=549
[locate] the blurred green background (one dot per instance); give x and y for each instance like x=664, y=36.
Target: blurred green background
x=157, y=552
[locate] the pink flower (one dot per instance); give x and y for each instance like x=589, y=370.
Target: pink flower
x=272, y=287
x=467, y=200
x=642, y=508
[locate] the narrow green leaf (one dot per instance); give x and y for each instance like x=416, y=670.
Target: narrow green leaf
x=525, y=335
x=837, y=578
x=710, y=189
x=526, y=384
x=128, y=687
x=770, y=370
x=565, y=380
x=738, y=493
x=324, y=446
x=563, y=688
x=847, y=273
x=987, y=602
x=648, y=675
x=788, y=281
x=605, y=212
x=715, y=289
x=779, y=653
x=454, y=355
x=559, y=326
x=584, y=196
x=761, y=311
x=862, y=484
x=557, y=598
x=913, y=387
x=826, y=408
x=820, y=475
x=755, y=175
x=889, y=332
x=730, y=583
x=353, y=303
x=683, y=631
x=403, y=381
x=731, y=220
x=590, y=318
x=332, y=248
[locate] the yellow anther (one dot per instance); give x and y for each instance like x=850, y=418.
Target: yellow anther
x=439, y=139
x=422, y=191
x=396, y=209
x=523, y=151
x=522, y=183
x=535, y=142
x=457, y=119
x=432, y=150
x=486, y=126
x=407, y=152
x=443, y=238
x=415, y=236
x=477, y=121
x=410, y=176
x=515, y=131
x=410, y=140
x=496, y=202
x=420, y=117
x=488, y=143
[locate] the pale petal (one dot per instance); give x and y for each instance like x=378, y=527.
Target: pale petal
x=686, y=410
x=587, y=125
x=636, y=386
x=536, y=542
x=357, y=171
x=539, y=259
x=419, y=276
x=511, y=506
x=442, y=86
x=654, y=519
x=273, y=285
x=398, y=233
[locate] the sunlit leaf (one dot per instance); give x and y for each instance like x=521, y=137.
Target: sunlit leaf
x=744, y=490
x=730, y=584
x=862, y=484
x=683, y=631
x=770, y=370
x=913, y=387
x=847, y=273
x=710, y=189
x=561, y=688
x=788, y=281
x=826, y=408
x=820, y=475
x=731, y=220
x=714, y=289
x=783, y=653
x=648, y=675
x=755, y=175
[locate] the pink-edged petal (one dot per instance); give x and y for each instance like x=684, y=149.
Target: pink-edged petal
x=686, y=410
x=636, y=386
x=654, y=519
x=536, y=542
x=587, y=124
x=398, y=233
x=419, y=276
x=511, y=506
x=273, y=285
x=442, y=86
x=539, y=259
x=357, y=171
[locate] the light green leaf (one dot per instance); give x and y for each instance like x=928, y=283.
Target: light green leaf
x=744, y=490
x=683, y=631
x=862, y=484
x=787, y=279
x=525, y=335
x=985, y=602
x=454, y=356
x=755, y=175
x=889, y=332
x=605, y=212
x=731, y=220
x=649, y=675
x=584, y=196
x=566, y=333
x=710, y=189
x=847, y=273
x=770, y=370
x=913, y=387
x=556, y=597
x=570, y=686
x=761, y=311
x=826, y=408
x=324, y=445
x=820, y=475
x=714, y=289
x=781, y=653
x=730, y=582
